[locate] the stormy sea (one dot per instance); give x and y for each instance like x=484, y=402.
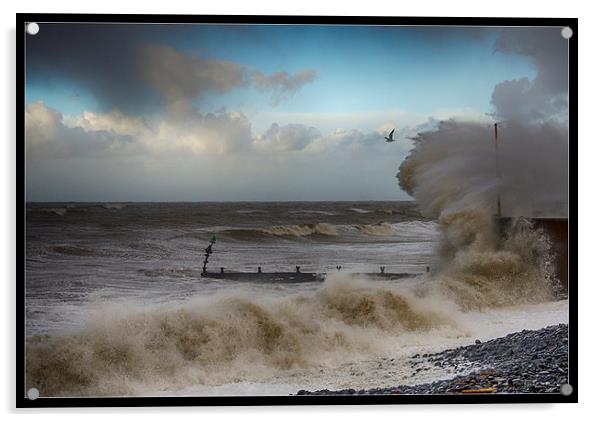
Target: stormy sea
x=116, y=303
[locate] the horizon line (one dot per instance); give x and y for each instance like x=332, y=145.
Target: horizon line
x=215, y=201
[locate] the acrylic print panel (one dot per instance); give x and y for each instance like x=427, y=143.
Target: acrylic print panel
x=252, y=210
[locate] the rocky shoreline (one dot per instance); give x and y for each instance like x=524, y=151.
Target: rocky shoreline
x=524, y=362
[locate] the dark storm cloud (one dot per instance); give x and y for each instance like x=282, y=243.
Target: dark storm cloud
x=181, y=76
x=101, y=58
x=135, y=68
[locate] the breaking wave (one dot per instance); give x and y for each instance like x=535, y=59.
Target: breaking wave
x=323, y=229
x=227, y=339
x=236, y=337
x=266, y=234
x=449, y=174
x=479, y=268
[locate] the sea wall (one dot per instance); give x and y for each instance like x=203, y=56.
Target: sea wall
x=557, y=229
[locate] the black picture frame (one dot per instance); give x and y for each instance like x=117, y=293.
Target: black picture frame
x=45, y=402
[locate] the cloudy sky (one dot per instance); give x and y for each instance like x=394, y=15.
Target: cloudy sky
x=210, y=112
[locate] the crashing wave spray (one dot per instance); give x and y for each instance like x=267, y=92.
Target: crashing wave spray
x=231, y=338
x=451, y=173
x=453, y=168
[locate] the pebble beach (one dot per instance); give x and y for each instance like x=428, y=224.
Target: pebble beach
x=529, y=361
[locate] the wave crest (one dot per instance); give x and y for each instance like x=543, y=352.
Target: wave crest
x=225, y=340
x=323, y=229
x=302, y=230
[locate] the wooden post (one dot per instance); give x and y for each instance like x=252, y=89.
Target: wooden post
x=497, y=172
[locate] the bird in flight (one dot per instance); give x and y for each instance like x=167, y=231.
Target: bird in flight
x=390, y=137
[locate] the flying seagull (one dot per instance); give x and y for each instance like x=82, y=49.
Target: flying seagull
x=390, y=137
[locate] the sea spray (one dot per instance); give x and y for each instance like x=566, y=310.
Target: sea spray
x=231, y=338
x=451, y=174
x=452, y=168
x=480, y=268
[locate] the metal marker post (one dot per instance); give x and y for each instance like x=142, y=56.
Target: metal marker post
x=208, y=251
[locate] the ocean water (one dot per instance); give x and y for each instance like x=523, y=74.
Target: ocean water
x=78, y=254
x=115, y=304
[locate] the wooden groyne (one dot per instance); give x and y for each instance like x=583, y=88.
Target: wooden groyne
x=295, y=277
x=286, y=277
